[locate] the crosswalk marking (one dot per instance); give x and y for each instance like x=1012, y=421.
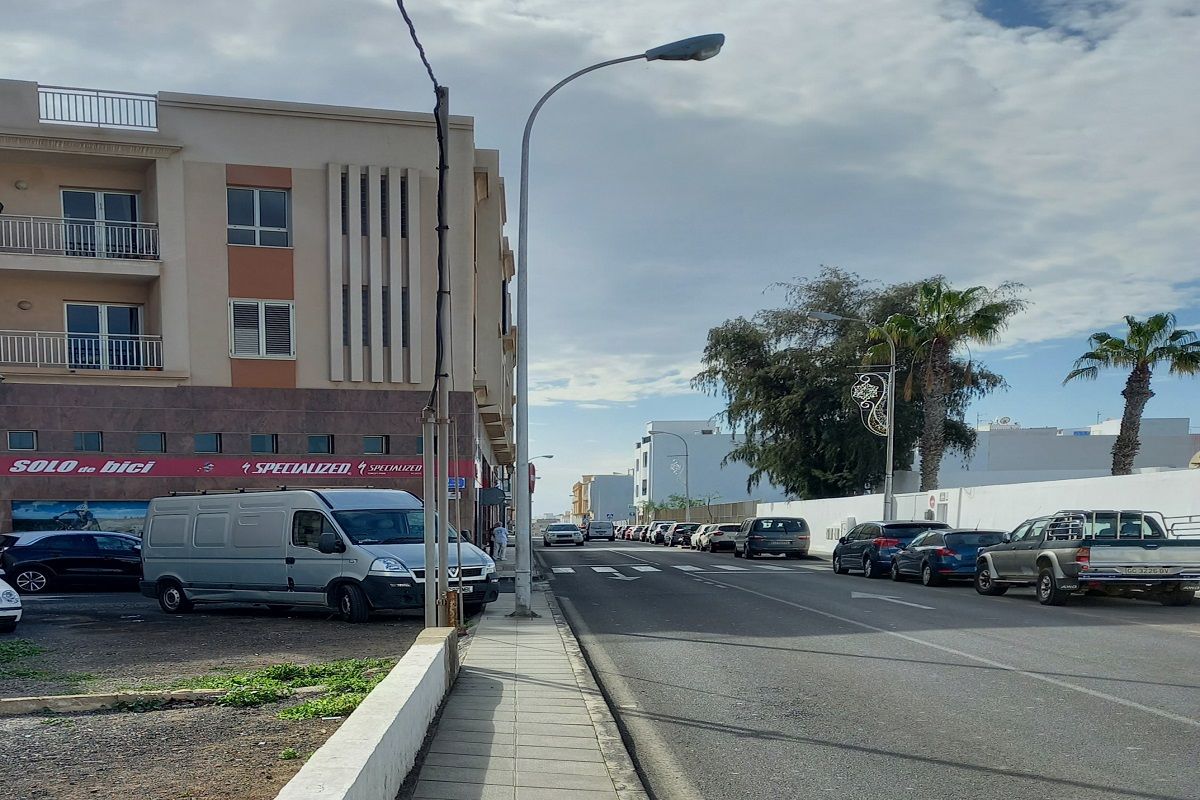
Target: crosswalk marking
x=643, y=568
x=564, y=570
x=731, y=568
x=688, y=567
x=603, y=569
x=769, y=566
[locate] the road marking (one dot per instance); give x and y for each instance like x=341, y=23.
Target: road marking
x=603, y=569
x=1158, y=712
x=687, y=567
x=896, y=600
x=625, y=577
x=645, y=568
x=732, y=568
x=761, y=566
x=564, y=570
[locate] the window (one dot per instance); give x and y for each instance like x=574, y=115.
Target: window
x=935, y=540
x=366, y=316
x=645, y=486
x=208, y=443
x=264, y=443
x=69, y=544
x=22, y=440
x=104, y=224
x=89, y=442
x=107, y=336
x=258, y=217
x=116, y=545
x=321, y=444
x=151, y=442
x=383, y=204
x=261, y=329
x=645, y=458
x=307, y=527
x=375, y=445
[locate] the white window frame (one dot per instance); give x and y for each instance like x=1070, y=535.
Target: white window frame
x=22, y=449
x=262, y=329
x=257, y=227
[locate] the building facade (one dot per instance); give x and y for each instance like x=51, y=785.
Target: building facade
x=204, y=292
x=666, y=467
x=603, y=497
x=1007, y=453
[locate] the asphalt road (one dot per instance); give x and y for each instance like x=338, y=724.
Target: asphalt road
x=776, y=681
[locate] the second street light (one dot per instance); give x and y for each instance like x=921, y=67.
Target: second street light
x=889, y=498
x=687, y=470
x=697, y=48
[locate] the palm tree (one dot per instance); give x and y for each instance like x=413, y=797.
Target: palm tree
x=1148, y=344
x=946, y=319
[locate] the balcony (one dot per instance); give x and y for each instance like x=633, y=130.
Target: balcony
x=94, y=108
x=80, y=238
x=80, y=351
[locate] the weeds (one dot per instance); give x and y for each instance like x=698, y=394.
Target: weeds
x=289, y=754
x=329, y=705
x=59, y=722
x=141, y=705
x=19, y=650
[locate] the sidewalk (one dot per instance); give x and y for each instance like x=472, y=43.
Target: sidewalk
x=525, y=720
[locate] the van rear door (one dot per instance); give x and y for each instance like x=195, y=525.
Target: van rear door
x=309, y=570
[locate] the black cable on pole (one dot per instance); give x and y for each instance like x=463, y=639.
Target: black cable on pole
x=439, y=92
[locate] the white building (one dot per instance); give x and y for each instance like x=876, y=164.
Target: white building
x=665, y=466
x=1007, y=453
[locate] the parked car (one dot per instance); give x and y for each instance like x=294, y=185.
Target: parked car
x=786, y=536
x=654, y=531
x=694, y=539
x=44, y=560
x=869, y=546
x=634, y=532
x=1115, y=553
x=679, y=533
x=718, y=537
x=10, y=608
x=353, y=550
x=938, y=556
x=601, y=529
x=562, y=533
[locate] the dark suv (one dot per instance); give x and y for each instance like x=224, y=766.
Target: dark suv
x=786, y=536
x=870, y=546
x=38, y=562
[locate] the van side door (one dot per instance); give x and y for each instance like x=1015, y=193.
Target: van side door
x=309, y=570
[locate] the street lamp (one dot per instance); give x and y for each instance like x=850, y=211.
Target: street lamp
x=687, y=469
x=697, y=48
x=889, y=500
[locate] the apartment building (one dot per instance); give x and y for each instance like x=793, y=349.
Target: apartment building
x=602, y=497
x=202, y=292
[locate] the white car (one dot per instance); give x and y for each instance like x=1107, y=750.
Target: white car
x=10, y=608
x=562, y=533
x=718, y=537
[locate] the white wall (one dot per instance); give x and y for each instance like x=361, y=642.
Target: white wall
x=1174, y=494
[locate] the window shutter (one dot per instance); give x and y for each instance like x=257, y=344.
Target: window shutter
x=278, y=323
x=245, y=328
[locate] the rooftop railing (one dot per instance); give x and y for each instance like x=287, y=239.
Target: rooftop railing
x=93, y=108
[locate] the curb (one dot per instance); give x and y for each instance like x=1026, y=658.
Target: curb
x=612, y=747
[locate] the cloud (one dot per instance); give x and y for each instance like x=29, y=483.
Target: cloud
x=594, y=380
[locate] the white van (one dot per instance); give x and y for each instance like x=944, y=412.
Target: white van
x=601, y=529
x=354, y=550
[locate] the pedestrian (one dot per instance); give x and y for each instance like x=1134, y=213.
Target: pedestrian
x=489, y=542
x=500, y=537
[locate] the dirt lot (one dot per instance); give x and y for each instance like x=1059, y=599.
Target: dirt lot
x=99, y=642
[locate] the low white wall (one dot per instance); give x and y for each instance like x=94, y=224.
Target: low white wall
x=1002, y=507
x=368, y=757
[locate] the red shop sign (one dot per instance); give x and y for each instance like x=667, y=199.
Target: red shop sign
x=224, y=467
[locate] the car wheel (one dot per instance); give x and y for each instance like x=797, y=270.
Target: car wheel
x=171, y=598
x=545, y=544
x=986, y=584
x=32, y=580
x=579, y=544
x=749, y=553
x=1177, y=598
x=1048, y=593
x=352, y=603
x=868, y=567
x=929, y=577
x=837, y=565
x=7, y=627
x=896, y=576
x=736, y=553
x=473, y=608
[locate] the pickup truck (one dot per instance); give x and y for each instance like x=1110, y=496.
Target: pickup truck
x=1114, y=553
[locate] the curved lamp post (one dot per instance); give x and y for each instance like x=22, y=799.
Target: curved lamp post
x=889, y=500
x=687, y=472
x=697, y=48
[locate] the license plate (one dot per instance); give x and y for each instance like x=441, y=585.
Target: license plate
x=466, y=589
x=1146, y=570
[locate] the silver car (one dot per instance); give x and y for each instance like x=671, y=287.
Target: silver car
x=562, y=533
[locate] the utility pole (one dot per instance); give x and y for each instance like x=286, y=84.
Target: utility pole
x=443, y=394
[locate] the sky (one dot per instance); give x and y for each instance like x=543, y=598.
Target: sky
x=1050, y=142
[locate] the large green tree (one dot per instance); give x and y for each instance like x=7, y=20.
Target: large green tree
x=786, y=384
x=1148, y=344
x=946, y=320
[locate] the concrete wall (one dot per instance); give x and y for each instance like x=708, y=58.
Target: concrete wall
x=609, y=497
x=1174, y=494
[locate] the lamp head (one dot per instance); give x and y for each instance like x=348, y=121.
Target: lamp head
x=823, y=316
x=697, y=48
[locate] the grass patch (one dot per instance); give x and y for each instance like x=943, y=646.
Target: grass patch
x=141, y=705
x=328, y=705
x=289, y=754
x=59, y=722
x=20, y=650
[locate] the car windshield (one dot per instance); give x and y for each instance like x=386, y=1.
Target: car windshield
x=907, y=533
x=563, y=528
x=977, y=539
x=385, y=526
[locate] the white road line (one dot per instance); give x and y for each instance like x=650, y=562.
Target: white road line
x=767, y=566
x=603, y=569
x=645, y=568
x=732, y=568
x=687, y=567
x=1158, y=712
x=564, y=570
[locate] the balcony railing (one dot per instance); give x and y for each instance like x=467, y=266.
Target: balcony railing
x=55, y=236
x=64, y=105
x=80, y=350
